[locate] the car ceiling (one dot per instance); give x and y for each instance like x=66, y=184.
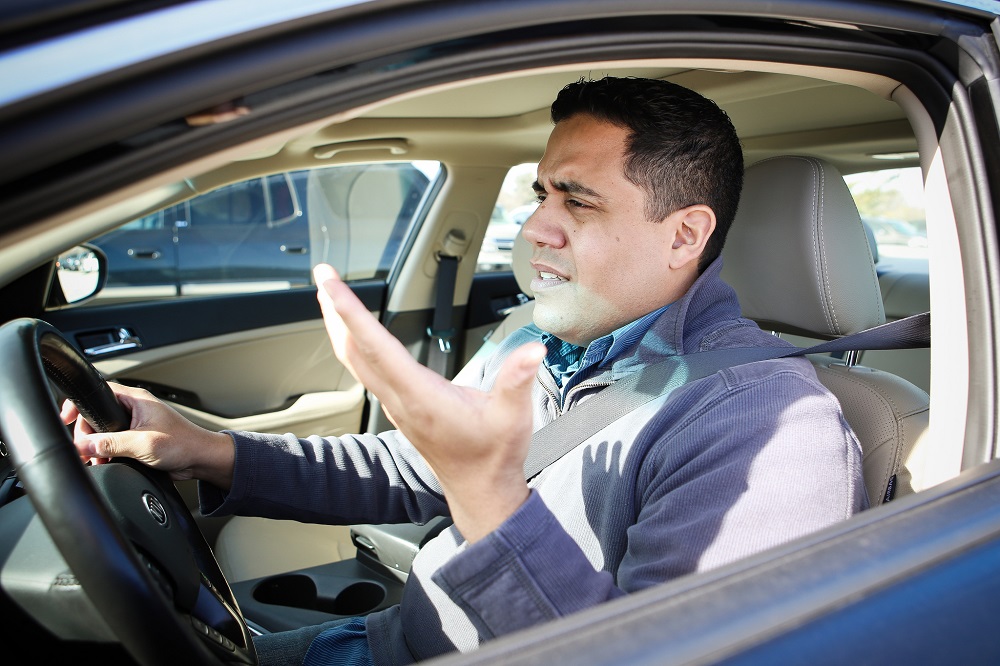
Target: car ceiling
x=845, y=117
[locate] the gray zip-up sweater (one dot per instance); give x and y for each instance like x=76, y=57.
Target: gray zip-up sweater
x=723, y=467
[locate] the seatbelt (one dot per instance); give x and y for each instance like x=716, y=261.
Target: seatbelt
x=441, y=329
x=453, y=247
x=553, y=441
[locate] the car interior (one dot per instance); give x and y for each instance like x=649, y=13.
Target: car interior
x=258, y=358
x=758, y=120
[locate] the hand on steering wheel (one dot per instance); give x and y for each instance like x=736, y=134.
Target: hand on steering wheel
x=121, y=527
x=157, y=436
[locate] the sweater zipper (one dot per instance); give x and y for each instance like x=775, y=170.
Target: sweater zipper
x=585, y=385
x=554, y=395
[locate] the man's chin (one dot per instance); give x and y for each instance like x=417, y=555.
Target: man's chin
x=550, y=321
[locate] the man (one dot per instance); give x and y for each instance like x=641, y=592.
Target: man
x=638, y=185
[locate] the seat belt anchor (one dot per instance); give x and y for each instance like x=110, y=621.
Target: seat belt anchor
x=443, y=338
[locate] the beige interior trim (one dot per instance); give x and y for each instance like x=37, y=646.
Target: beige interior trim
x=250, y=548
x=330, y=413
x=938, y=455
x=464, y=204
x=116, y=367
x=289, y=361
x=875, y=83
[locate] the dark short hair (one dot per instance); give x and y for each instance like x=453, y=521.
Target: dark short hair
x=682, y=149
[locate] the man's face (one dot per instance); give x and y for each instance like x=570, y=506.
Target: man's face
x=599, y=261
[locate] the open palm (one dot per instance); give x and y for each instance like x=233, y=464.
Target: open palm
x=475, y=441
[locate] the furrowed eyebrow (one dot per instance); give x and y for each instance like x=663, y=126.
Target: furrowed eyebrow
x=568, y=187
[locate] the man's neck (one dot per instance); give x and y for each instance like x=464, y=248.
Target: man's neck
x=565, y=360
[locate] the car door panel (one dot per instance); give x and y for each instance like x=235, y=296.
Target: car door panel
x=162, y=323
x=258, y=362
x=492, y=297
x=234, y=361
x=273, y=379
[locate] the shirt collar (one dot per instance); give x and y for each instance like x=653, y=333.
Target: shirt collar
x=565, y=360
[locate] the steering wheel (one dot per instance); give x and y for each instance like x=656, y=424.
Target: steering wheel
x=122, y=527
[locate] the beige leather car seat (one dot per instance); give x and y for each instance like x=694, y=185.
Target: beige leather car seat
x=516, y=317
x=904, y=294
x=798, y=257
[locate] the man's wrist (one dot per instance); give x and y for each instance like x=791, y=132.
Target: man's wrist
x=217, y=460
x=477, y=514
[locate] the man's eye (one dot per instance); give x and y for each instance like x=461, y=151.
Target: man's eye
x=539, y=197
x=576, y=204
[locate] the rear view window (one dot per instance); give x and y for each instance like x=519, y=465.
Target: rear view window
x=267, y=233
x=891, y=203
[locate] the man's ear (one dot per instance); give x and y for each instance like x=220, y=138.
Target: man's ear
x=692, y=228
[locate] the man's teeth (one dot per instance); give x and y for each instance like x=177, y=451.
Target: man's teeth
x=550, y=276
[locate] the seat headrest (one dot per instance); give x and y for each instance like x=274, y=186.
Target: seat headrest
x=797, y=254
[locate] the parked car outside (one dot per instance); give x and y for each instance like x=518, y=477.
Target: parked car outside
x=254, y=235
x=495, y=252
x=896, y=232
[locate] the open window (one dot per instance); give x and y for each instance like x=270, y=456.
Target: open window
x=266, y=233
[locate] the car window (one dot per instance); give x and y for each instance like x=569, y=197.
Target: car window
x=515, y=204
x=267, y=233
x=891, y=203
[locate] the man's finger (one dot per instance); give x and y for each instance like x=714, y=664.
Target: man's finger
x=518, y=372
x=69, y=412
x=376, y=358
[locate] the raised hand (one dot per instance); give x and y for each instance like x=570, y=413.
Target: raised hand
x=475, y=441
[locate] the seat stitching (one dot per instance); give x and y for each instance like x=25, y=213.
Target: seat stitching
x=897, y=426
x=829, y=311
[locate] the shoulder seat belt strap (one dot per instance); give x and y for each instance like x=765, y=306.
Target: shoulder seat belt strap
x=553, y=441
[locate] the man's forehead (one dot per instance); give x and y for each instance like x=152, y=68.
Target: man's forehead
x=582, y=154
x=583, y=136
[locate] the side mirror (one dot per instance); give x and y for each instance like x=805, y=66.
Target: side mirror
x=81, y=273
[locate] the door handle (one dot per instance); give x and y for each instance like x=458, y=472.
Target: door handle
x=144, y=254
x=106, y=342
x=293, y=249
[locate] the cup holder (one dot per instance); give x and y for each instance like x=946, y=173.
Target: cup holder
x=300, y=591
x=358, y=598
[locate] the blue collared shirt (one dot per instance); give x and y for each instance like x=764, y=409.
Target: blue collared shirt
x=565, y=361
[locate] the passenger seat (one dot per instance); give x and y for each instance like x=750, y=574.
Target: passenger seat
x=904, y=293
x=799, y=260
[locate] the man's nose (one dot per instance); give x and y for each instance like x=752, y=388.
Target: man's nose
x=542, y=227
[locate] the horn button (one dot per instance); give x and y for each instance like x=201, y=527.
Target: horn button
x=142, y=511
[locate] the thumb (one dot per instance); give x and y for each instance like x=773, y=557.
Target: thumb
x=324, y=272
x=518, y=371
x=99, y=445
